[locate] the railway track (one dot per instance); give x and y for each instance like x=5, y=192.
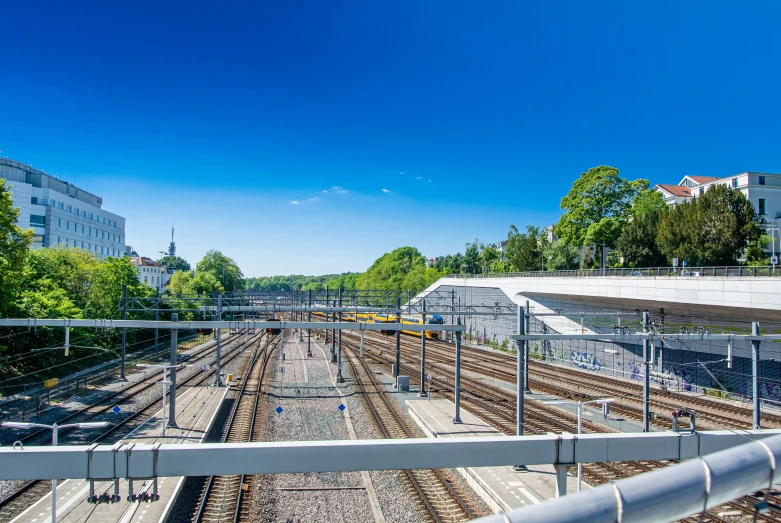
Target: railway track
x=29, y=492
x=223, y=498
x=496, y=405
x=439, y=499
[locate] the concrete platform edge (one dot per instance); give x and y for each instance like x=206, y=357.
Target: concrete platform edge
x=497, y=505
x=178, y=488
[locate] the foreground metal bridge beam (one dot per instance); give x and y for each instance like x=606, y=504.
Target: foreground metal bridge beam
x=667, y=494
x=147, y=461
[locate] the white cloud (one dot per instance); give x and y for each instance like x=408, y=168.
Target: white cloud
x=312, y=199
x=429, y=181
x=402, y=172
x=336, y=189
x=418, y=177
x=294, y=202
x=386, y=191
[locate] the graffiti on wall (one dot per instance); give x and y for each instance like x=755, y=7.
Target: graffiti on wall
x=586, y=361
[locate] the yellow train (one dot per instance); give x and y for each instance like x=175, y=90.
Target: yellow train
x=408, y=319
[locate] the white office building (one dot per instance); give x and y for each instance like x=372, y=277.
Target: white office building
x=60, y=213
x=150, y=272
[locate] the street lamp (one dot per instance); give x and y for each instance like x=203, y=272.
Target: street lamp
x=55, y=429
x=164, y=383
x=580, y=423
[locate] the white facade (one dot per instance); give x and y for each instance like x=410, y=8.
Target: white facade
x=60, y=213
x=150, y=273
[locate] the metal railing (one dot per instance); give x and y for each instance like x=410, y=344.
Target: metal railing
x=681, y=272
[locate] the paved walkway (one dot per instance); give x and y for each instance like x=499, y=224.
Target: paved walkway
x=196, y=409
x=502, y=488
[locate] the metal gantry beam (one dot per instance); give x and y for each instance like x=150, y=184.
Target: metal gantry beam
x=215, y=324
x=668, y=494
x=136, y=460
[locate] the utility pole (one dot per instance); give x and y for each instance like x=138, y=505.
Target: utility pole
x=217, y=379
x=457, y=418
x=755, y=400
x=527, y=317
x=309, y=331
x=519, y=385
x=646, y=377
x=422, y=392
x=124, y=332
x=339, y=377
x=157, y=330
x=174, y=362
x=398, y=341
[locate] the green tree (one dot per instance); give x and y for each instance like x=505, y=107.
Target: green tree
x=597, y=207
x=70, y=269
x=472, y=263
x=14, y=246
x=560, y=256
x=638, y=243
x=174, y=262
x=524, y=250
x=223, y=268
x=755, y=254
x=181, y=283
x=488, y=256
x=107, y=284
x=402, y=269
x=205, y=282
x=713, y=229
x=648, y=200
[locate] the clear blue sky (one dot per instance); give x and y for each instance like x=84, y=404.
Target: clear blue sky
x=473, y=115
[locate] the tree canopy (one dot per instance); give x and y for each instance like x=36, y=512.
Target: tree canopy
x=402, y=269
x=638, y=241
x=224, y=270
x=14, y=244
x=713, y=229
x=174, y=262
x=597, y=207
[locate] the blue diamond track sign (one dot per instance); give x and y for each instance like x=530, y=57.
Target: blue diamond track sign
x=116, y=409
x=279, y=410
x=341, y=407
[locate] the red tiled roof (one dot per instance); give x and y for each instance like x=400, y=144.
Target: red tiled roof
x=676, y=190
x=703, y=179
x=145, y=262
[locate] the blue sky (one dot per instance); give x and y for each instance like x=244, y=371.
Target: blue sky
x=404, y=123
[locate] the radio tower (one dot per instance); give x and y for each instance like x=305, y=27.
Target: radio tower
x=172, y=245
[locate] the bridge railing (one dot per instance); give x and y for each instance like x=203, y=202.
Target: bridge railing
x=737, y=271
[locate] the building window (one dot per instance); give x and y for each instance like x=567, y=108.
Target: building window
x=59, y=205
x=761, y=180
x=37, y=220
x=59, y=222
x=89, y=216
x=68, y=208
x=76, y=211
x=734, y=183
x=762, y=207
x=38, y=238
x=702, y=191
